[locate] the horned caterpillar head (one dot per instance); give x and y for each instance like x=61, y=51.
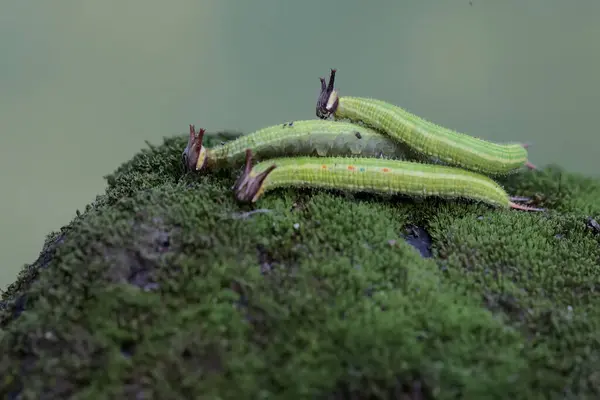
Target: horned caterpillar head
x=328, y=100
x=194, y=154
x=250, y=186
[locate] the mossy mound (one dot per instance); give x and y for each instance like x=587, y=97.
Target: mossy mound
x=166, y=288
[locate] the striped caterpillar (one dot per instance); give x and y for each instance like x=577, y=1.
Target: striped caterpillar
x=299, y=138
x=373, y=175
x=424, y=137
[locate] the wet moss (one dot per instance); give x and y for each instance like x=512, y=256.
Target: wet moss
x=164, y=287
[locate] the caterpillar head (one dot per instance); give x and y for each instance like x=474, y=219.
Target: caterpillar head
x=194, y=154
x=328, y=100
x=249, y=186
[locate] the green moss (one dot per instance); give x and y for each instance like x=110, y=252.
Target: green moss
x=165, y=287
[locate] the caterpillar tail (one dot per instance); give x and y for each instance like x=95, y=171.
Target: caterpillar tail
x=529, y=164
x=513, y=204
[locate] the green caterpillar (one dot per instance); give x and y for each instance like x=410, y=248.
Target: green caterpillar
x=299, y=138
x=370, y=175
x=424, y=137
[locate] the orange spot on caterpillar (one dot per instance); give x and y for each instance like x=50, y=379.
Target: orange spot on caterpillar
x=351, y=167
x=324, y=166
x=386, y=170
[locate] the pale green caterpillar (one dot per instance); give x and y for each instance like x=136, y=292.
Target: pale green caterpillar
x=425, y=137
x=370, y=175
x=299, y=138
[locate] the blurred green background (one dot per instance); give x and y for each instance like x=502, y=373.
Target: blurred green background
x=84, y=83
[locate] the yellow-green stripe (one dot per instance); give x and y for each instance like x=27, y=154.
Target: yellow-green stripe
x=432, y=140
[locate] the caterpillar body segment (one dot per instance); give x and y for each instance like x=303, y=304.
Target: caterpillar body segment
x=425, y=137
x=370, y=175
x=299, y=138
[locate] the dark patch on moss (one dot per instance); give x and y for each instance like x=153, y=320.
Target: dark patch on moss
x=164, y=287
x=136, y=263
x=419, y=238
x=593, y=225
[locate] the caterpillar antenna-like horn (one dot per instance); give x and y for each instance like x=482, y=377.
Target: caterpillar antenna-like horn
x=327, y=102
x=193, y=153
x=248, y=187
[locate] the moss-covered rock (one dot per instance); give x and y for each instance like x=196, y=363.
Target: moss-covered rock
x=166, y=288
